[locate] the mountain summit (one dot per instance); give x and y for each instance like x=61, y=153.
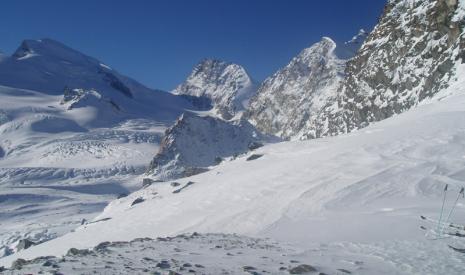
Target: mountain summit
x=286, y=102
x=227, y=85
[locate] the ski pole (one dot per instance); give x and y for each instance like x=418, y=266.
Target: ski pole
x=442, y=209
x=461, y=193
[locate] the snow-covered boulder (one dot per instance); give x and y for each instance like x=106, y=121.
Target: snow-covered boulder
x=227, y=85
x=196, y=142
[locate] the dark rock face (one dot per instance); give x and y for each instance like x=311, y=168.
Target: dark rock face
x=254, y=157
x=137, y=201
x=115, y=83
x=411, y=55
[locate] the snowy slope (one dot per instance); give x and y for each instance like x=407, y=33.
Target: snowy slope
x=287, y=102
x=342, y=192
x=228, y=85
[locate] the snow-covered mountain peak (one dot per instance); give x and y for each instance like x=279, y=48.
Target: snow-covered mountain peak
x=324, y=48
x=228, y=85
x=50, y=48
x=286, y=102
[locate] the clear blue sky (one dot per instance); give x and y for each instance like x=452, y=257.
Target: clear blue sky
x=158, y=42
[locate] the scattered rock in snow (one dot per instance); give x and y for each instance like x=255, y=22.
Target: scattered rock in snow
x=122, y=195
x=254, y=157
x=18, y=264
x=175, y=184
x=302, y=269
x=182, y=188
x=24, y=244
x=163, y=265
x=146, y=182
x=138, y=200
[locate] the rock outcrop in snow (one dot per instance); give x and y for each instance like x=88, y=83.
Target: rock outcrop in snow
x=76, y=98
x=287, y=103
x=195, y=142
x=228, y=86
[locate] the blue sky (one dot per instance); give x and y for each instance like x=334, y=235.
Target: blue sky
x=158, y=42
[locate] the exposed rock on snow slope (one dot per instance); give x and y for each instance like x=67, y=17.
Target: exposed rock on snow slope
x=412, y=54
x=205, y=254
x=228, y=86
x=287, y=103
x=196, y=142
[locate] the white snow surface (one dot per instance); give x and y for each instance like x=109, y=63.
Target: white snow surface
x=338, y=197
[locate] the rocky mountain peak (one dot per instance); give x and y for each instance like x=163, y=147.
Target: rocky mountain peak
x=286, y=102
x=228, y=85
